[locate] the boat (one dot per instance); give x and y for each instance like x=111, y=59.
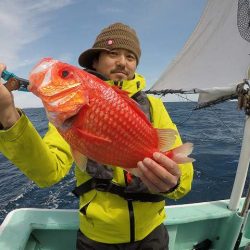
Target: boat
x=218, y=225
x=206, y=225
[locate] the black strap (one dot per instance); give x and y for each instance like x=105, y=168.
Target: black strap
x=109, y=186
x=141, y=98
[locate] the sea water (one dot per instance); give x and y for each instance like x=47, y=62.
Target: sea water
x=216, y=133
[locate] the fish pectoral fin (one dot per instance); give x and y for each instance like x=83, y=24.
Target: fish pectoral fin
x=133, y=171
x=91, y=137
x=80, y=159
x=181, y=153
x=121, y=92
x=167, y=138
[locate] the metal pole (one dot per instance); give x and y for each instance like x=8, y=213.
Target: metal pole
x=243, y=213
x=246, y=205
x=242, y=169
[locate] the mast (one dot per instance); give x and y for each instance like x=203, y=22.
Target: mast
x=242, y=169
x=244, y=159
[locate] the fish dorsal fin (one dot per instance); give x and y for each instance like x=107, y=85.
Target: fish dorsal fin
x=131, y=102
x=121, y=92
x=167, y=138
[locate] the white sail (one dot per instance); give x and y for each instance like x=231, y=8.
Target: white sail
x=217, y=52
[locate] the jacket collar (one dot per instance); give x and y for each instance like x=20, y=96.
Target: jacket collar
x=132, y=86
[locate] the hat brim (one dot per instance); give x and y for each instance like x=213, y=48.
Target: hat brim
x=87, y=57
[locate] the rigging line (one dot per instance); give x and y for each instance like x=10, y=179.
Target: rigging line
x=236, y=139
x=212, y=109
x=190, y=114
x=185, y=98
x=184, y=121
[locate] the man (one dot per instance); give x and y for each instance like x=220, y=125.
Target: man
x=117, y=210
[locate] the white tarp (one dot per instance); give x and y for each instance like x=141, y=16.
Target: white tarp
x=215, y=55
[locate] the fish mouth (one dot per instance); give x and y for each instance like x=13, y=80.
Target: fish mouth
x=57, y=92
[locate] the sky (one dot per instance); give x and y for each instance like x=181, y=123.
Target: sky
x=31, y=30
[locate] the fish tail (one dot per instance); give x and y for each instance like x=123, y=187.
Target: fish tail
x=181, y=153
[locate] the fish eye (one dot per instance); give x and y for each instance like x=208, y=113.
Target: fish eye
x=65, y=73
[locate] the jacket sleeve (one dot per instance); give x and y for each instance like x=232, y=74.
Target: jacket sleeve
x=45, y=161
x=161, y=119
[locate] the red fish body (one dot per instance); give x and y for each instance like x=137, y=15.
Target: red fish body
x=97, y=120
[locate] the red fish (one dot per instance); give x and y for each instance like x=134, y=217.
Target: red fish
x=97, y=120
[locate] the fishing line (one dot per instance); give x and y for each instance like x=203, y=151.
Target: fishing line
x=190, y=113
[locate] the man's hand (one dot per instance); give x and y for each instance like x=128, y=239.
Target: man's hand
x=8, y=113
x=159, y=174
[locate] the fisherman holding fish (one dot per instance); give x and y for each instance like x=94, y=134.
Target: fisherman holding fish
x=120, y=207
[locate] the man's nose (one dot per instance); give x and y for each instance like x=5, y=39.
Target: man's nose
x=121, y=60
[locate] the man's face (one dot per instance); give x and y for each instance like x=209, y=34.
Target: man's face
x=117, y=64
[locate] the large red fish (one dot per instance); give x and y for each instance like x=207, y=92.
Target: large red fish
x=97, y=120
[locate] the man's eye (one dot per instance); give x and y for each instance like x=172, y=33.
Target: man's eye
x=131, y=57
x=113, y=53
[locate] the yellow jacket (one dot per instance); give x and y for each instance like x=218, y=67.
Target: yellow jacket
x=106, y=217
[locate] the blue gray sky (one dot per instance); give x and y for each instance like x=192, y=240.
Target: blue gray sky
x=62, y=29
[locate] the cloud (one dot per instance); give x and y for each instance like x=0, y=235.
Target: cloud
x=47, y=5
x=21, y=23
